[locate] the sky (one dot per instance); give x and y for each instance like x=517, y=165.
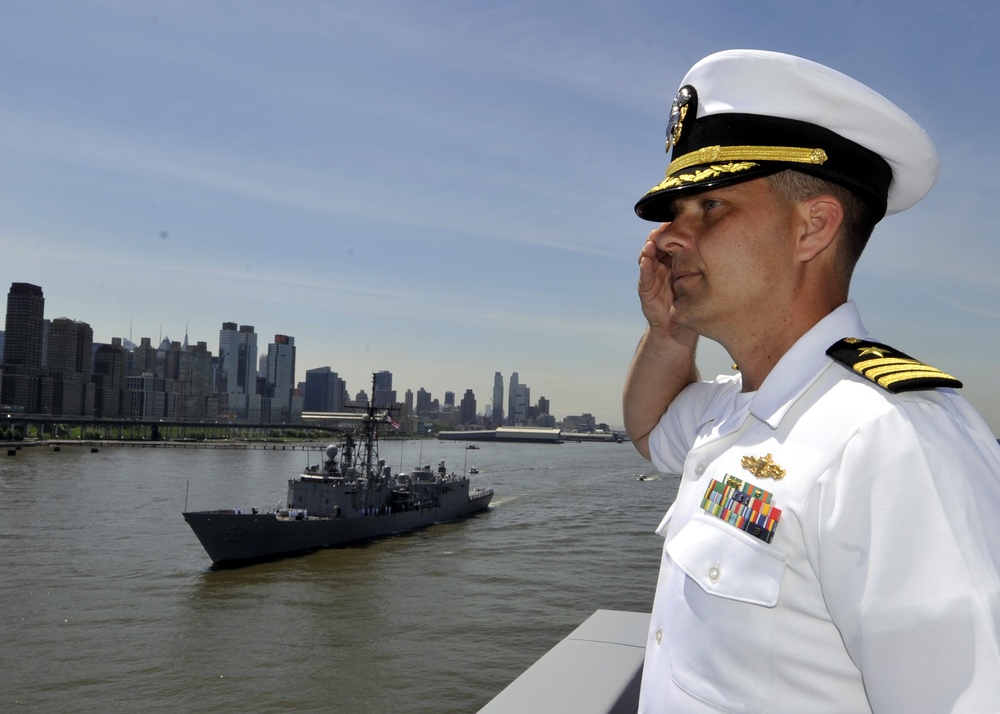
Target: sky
x=445, y=190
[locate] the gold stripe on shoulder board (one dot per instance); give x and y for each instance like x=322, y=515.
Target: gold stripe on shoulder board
x=890, y=369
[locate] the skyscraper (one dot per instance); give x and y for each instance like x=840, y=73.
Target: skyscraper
x=497, y=399
x=467, y=409
x=193, y=385
x=111, y=397
x=517, y=401
x=324, y=391
x=172, y=360
x=237, y=375
x=144, y=360
x=281, y=378
x=385, y=395
x=23, y=356
x=543, y=405
x=423, y=407
x=152, y=397
x=69, y=365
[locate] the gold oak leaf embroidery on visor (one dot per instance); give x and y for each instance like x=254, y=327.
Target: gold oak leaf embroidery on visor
x=703, y=175
x=763, y=467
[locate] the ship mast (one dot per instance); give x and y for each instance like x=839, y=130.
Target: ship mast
x=368, y=458
x=370, y=425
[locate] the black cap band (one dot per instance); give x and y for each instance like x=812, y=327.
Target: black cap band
x=750, y=146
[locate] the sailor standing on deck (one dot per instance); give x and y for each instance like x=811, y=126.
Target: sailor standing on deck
x=835, y=541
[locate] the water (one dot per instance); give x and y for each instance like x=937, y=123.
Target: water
x=108, y=603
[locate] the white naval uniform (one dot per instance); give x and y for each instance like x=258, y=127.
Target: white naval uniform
x=880, y=590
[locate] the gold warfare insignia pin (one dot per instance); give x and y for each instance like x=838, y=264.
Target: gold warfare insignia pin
x=763, y=467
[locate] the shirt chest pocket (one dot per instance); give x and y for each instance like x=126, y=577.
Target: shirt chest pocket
x=725, y=564
x=723, y=614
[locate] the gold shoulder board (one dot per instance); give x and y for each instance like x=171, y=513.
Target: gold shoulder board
x=889, y=368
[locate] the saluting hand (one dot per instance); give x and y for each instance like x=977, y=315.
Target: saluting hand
x=664, y=360
x=656, y=282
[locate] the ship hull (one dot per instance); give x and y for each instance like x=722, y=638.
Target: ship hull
x=232, y=539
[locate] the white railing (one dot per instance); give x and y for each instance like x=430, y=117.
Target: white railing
x=595, y=670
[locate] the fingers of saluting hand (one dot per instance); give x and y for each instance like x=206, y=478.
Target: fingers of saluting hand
x=649, y=248
x=655, y=292
x=653, y=262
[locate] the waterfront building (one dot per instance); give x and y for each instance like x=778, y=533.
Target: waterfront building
x=237, y=371
x=69, y=365
x=145, y=360
x=195, y=399
x=506, y=434
x=582, y=422
x=424, y=403
x=171, y=359
x=111, y=397
x=518, y=399
x=385, y=395
x=543, y=406
x=497, y=399
x=280, y=380
x=152, y=397
x=324, y=391
x=467, y=408
x=514, y=383
x=23, y=349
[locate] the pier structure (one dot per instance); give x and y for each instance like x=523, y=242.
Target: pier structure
x=110, y=430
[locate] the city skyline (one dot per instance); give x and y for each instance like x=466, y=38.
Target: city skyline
x=447, y=188
x=240, y=364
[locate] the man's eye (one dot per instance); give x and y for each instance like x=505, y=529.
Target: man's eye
x=710, y=203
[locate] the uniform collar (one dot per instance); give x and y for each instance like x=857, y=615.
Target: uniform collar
x=803, y=363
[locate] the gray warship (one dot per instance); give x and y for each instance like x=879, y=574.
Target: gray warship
x=351, y=496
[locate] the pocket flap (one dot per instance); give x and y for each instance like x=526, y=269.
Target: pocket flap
x=723, y=563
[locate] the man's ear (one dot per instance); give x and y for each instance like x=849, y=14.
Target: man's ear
x=820, y=221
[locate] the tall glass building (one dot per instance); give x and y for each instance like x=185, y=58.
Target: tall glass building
x=23, y=349
x=281, y=378
x=237, y=371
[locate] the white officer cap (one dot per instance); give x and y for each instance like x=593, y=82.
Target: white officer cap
x=742, y=114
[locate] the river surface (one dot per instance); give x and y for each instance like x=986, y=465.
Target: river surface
x=107, y=601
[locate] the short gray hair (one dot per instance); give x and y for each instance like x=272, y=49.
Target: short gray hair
x=858, y=223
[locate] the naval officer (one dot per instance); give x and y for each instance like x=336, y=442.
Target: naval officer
x=835, y=541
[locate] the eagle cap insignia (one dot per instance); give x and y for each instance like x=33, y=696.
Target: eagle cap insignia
x=683, y=102
x=763, y=467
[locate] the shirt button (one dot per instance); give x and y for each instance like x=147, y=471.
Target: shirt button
x=659, y=635
x=713, y=573
x=699, y=469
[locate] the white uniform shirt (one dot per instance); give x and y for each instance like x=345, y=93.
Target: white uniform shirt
x=880, y=588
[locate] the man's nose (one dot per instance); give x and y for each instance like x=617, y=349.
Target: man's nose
x=675, y=236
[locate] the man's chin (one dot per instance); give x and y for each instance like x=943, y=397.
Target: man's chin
x=679, y=315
